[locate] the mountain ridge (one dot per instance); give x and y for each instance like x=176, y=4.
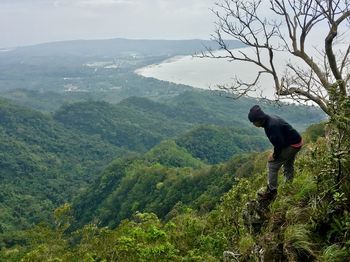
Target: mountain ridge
x=114, y=46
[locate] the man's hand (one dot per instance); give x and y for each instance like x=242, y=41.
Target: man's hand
x=270, y=158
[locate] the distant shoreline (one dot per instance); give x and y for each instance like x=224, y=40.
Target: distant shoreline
x=208, y=73
x=203, y=73
x=148, y=71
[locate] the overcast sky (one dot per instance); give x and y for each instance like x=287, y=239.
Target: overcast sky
x=24, y=22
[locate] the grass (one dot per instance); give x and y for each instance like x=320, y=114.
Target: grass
x=297, y=242
x=334, y=253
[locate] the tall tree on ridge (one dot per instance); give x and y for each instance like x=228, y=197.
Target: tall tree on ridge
x=324, y=81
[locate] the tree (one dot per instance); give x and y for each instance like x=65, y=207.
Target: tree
x=322, y=77
x=323, y=81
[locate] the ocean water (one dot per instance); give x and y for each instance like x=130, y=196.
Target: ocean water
x=208, y=73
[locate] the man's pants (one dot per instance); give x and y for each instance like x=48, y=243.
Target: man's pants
x=286, y=159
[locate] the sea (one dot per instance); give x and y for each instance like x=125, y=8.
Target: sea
x=210, y=73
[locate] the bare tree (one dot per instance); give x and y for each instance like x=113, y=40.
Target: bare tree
x=324, y=81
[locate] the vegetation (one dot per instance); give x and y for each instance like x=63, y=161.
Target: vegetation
x=43, y=165
x=217, y=144
x=325, y=82
x=145, y=179
x=165, y=177
x=306, y=221
x=46, y=161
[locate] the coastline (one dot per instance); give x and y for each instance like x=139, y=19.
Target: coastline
x=203, y=73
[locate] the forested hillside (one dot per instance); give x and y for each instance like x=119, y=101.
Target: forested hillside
x=100, y=162
x=305, y=223
x=215, y=144
x=43, y=164
x=164, y=177
x=96, y=112
x=49, y=159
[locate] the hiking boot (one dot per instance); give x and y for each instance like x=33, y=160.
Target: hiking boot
x=268, y=194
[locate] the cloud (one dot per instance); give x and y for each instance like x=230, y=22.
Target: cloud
x=92, y=3
x=63, y=3
x=104, y=2
x=33, y=21
x=185, y=3
x=26, y=2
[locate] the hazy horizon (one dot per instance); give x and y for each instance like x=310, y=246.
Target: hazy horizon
x=109, y=38
x=31, y=22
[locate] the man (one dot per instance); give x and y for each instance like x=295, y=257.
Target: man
x=286, y=141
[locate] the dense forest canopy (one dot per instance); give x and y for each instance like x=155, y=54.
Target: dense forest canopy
x=99, y=164
x=51, y=158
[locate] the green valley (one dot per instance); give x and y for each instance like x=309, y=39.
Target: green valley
x=98, y=163
x=53, y=158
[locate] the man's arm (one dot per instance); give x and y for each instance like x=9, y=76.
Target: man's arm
x=277, y=140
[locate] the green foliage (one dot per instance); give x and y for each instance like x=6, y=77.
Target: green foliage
x=59, y=156
x=143, y=239
x=166, y=204
x=313, y=132
x=335, y=253
x=138, y=124
x=63, y=217
x=246, y=244
x=297, y=241
x=167, y=153
x=86, y=203
x=157, y=182
x=293, y=230
x=213, y=108
x=340, y=227
x=42, y=165
x=216, y=144
x=146, y=185
x=306, y=187
x=124, y=126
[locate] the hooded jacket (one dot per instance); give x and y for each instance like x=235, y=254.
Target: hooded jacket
x=280, y=133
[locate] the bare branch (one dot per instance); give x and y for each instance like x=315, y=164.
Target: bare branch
x=241, y=88
x=279, y=7
x=331, y=10
x=317, y=100
x=315, y=81
x=345, y=60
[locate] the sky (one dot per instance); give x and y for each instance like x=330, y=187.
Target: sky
x=26, y=22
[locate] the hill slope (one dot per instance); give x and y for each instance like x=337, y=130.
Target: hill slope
x=47, y=160
x=307, y=221
x=172, y=116
x=43, y=164
x=214, y=144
